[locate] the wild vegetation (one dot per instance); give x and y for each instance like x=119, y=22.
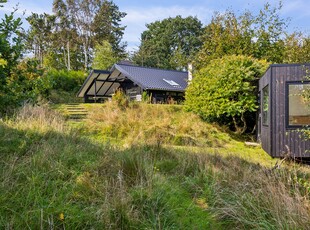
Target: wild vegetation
x=141, y=166
x=99, y=173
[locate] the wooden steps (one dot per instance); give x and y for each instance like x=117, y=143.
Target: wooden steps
x=75, y=112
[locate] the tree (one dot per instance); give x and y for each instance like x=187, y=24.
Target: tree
x=11, y=46
x=260, y=36
x=297, y=48
x=80, y=24
x=270, y=30
x=64, y=33
x=107, y=27
x=104, y=56
x=39, y=36
x=21, y=80
x=170, y=43
x=227, y=34
x=226, y=89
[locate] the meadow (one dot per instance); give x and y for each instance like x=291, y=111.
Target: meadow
x=141, y=166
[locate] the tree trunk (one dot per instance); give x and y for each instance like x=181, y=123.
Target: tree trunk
x=240, y=130
x=68, y=52
x=85, y=56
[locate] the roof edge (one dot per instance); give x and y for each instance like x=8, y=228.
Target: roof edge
x=126, y=74
x=86, y=80
x=289, y=64
x=146, y=67
x=98, y=71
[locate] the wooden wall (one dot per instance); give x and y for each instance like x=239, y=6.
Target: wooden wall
x=284, y=139
x=265, y=131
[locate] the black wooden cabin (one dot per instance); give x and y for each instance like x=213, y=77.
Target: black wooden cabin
x=284, y=112
x=163, y=86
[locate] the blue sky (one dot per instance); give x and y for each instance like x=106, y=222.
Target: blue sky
x=140, y=12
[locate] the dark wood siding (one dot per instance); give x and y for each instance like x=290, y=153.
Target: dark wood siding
x=131, y=89
x=286, y=140
x=265, y=133
x=160, y=96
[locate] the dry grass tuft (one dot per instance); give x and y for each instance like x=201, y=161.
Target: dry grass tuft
x=40, y=118
x=153, y=124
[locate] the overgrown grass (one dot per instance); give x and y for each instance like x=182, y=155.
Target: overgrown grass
x=152, y=124
x=54, y=176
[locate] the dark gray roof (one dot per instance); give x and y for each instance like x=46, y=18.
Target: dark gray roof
x=152, y=78
x=104, y=83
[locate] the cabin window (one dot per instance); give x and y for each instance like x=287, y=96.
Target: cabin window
x=299, y=104
x=265, y=105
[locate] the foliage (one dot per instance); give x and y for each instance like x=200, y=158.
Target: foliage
x=3, y=62
x=259, y=36
x=60, y=96
x=11, y=48
x=39, y=37
x=104, y=56
x=66, y=50
x=170, y=43
x=11, y=44
x=269, y=31
x=227, y=34
x=69, y=81
x=107, y=27
x=26, y=84
x=67, y=38
x=297, y=48
x=226, y=89
x=89, y=22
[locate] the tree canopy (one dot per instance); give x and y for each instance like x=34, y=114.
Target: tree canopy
x=104, y=57
x=67, y=38
x=170, y=43
x=260, y=36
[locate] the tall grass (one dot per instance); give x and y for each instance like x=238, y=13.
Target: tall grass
x=56, y=177
x=153, y=124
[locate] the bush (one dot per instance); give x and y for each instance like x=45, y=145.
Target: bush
x=226, y=90
x=25, y=84
x=66, y=80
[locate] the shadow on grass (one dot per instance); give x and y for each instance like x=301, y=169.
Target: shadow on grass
x=61, y=180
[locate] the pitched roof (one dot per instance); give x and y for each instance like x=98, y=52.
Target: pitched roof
x=147, y=78
x=152, y=78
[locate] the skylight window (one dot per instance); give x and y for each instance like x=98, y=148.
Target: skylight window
x=170, y=82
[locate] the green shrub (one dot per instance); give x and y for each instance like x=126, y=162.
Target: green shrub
x=226, y=90
x=25, y=84
x=66, y=80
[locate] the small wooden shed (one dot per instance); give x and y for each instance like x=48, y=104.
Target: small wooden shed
x=284, y=112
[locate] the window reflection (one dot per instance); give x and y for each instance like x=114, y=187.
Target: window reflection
x=265, y=105
x=299, y=104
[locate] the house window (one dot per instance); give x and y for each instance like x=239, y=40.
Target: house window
x=299, y=104
x=265, y=105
